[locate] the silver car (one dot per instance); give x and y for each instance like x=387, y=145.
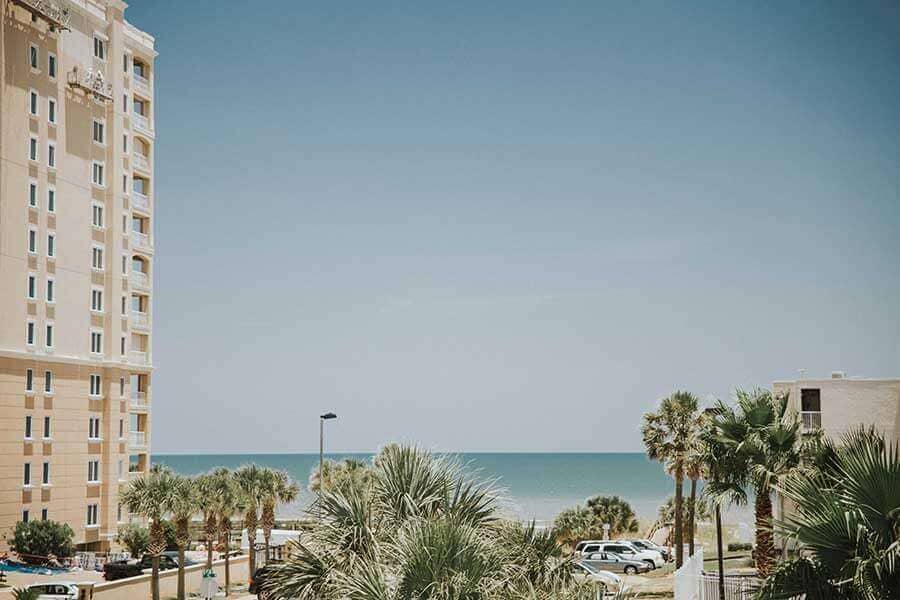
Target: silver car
x=55, y=590
x=607, y=561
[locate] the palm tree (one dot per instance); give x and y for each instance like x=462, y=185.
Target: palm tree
x=693, y=470
x=152, y=496
x=205, y=486
x=668, y=436
x=575, y=524
x=250, y=480
x=768, y=443
x=228, y=504
x=183, y=508
x=421, y=529
x=277, y=489
x=339, y=473
x=846, y=524
x=615, y=512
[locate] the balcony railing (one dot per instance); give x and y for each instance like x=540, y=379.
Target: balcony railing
x=137, y=357
x=137, y=439
x=53, y=12
x=811, y=420
x=142, y=122
x=92, y=82
x=140, y=201
x=140, y=279
x=141, y=162
x=140, y=319
x=140, y=240
x=139, y=401
x=141, y=85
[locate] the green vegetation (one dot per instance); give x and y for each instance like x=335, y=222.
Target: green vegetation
x=847, y=523
x=586, y=522
x=135, y=538
x=25, y=594
x=34, y=541
x=339, y=474
x=419, y=529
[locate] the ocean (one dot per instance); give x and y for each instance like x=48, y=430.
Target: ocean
x=533, y=486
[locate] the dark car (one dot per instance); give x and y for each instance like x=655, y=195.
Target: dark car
x=257, y=584
x=120, y=570
x=167, y=560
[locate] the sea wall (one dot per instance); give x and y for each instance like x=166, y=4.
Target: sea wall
x=139, y=587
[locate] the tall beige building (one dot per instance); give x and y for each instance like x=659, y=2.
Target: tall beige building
x=76, y=262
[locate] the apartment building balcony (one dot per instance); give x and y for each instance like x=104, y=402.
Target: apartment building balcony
x=140, y=162
x=811, y=420
x=138, y=402
x=52, y=11
x=140, y=280
x=137, y=357
x=92, y=82
x=140, y=201
x=141, y=85
x=142, y=123
x=137, y=439
x=140, y=320
x=141, y=241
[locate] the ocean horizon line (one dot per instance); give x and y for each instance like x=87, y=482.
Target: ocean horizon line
x=373, y=452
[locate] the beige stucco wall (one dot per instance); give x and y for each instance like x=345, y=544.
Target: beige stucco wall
x=70, y=358
x=139, y=587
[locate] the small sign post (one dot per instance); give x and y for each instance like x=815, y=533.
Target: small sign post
x=209, y=586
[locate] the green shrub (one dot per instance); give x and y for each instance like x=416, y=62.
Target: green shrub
x=738, y=547
x=35, y=540
x=135, y=538
x=25, y=594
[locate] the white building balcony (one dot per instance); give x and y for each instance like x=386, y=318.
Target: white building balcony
x=140, y=240
x=140, y=201
x=140, y=319
x=141, y=85
x=811, y=420
x=140, y=162
x=139, y=279
x=137, y=439
x=137, y=357
x=138, y=402
x=143, y=123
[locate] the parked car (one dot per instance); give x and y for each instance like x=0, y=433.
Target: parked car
x=622, y=548
x=607, y=561
x=56, y=590
x=607, y=580
x=257, y=584
x=167, y=560
x=648, y=545
x=121, y=569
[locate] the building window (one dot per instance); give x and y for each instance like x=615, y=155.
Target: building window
x=48, y=432
x=33, y=149
x=121, y=428
x=26, y=480
x=45, y=514
x=45, y=474
x=33, y=57
x=29, y=380
x=99, y=132
x=95, y=385
x=48, y=382
x=99, y=48
x=25, y=516
x=33, y=103
x=124, y=310
x=51, y=290
x=49, y=337
x=97, y=215
x=51, y=200
x=97, y=300
x=51, y=110
x=97, y=175
x=51, y=155
x=32, y=240
x=32, y=194
x=51, y=65
x=51, y=245
x=32, y=286
x=29, y=333
x=121, y=387
x=125, y=142
x=122, y=345
x=93, y=471
x=94, y=428
x=97, y=258
x=96, y=342
x=27, y=427
x=91, y=515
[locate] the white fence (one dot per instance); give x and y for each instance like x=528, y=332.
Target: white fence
x=689, y=577
x=691, y=583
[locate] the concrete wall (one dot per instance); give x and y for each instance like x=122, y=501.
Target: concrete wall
x=135, y=588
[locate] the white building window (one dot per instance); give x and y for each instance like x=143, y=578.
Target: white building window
x=99, y=132
x=93, y=471
x=28, y=432
x=29, y=333
x=97, y=215
x=95, y=388
x=29, y=380
x=48, y=382
x=49, y=337
x=99, y=47
x=31, y=287
x=51, y=290
x=51, y=199
x=48, y=432
x=33, y=148
x=32, y=240
x=97, y=300
x=51, y=245
x=33, y=57
x=94, y=427
x=33, y=101
x=26, y=477
x=45, y=514
x=96, y=342
x=32, y=193
x=98, y=176
x=92, y=515
x=51, y=65
x=51, y=110
x=45, y=474
x=51, y=155
x=97, y=258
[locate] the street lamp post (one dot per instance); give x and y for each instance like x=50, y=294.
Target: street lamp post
x=322, y=418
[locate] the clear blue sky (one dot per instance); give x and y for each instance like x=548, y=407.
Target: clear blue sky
x=513, y=225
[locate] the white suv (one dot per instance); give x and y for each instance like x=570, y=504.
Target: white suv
x=624, y=549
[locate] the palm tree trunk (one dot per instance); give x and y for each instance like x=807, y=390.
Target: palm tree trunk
x=209, y=553
x=267, y=536
x=154, y=577
x=691, y=514
x=765, y=545
x=719, y=547
x=180, y=572
x=679, y=534
x=227, y=563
